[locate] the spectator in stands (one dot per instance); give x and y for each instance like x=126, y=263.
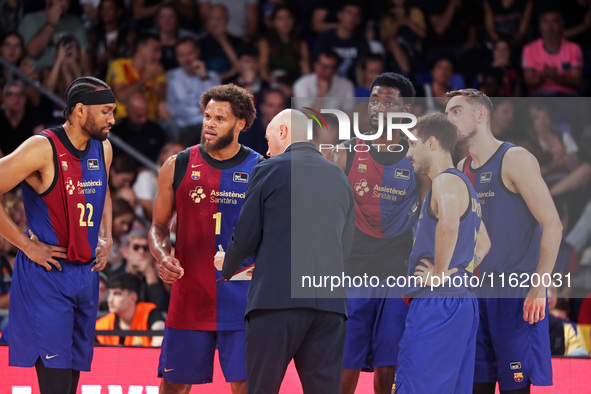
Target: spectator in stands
x=508, y=20
x=249, y=76
x=42, y=31
x=185, y=86
x=324, y=15
x=17, y=120
x=123, y=217
x=243, y=16
x=166, y=27
x=368, y=68
x=138, y=130
x=16, y=210
x=146, y=184
x=579, y=237
x=434, y=92
x=452, y=29
x=324, y=82
x=218, y=47
x=502, y=69
x=345, y=40
x=501, y=120
x=555, y=150
x=283, y=56
x=126, y=193
x=139, y=262
x=402, y=31
x=126, y=313
x=552, y=66
x=11, y=13
x=12, y=49
x=111, y=38
x=144, y=11
x=122, y=173
x=141, y=73
x=66, y=68
x=273, y=102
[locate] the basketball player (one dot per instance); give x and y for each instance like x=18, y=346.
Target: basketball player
x=54, y=294
x=437, y=349
x=386, y=208
x=206, y=185
x=513, y=345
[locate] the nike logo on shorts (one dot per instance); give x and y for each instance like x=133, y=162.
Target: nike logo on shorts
x=168, y=370
x=47, y=356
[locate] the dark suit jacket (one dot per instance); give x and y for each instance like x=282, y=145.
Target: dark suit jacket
x=298, y=217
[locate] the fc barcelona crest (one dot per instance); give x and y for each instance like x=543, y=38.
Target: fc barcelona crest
x=362, y=168
x=518, y=377
x=65, y=165
x=195, y=175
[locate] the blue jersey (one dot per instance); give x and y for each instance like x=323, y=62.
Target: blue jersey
x=69, y=213
x=514, y=233
x=208, y=197
x=424, y=239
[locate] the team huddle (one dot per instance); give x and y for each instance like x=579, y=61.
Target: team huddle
x=491, y=213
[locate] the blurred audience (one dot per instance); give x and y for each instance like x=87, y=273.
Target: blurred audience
x=111, y=38
x=146, y=183
x=283, y=56
x=43, y=30
x=243, y=16
x=17, y=120
x=402, y=31
x=507, y=20
x=344, y=39
x=128, y=313
x=219, y=47
x=324, y=81
x=12, y=49
x=138, y=130
x=273, y=102
x=141, y=73
x=552, y=66
x=11, y=13
x=186, y=84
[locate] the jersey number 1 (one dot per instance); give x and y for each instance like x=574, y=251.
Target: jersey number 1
x=89, y=222
x=218, y=223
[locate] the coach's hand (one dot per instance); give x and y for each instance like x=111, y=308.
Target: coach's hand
x=170, y=270
x=102, y=252
x=534, y=306
x=44, y=254
x=218, y=259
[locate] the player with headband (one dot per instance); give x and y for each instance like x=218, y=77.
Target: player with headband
x=54, y=295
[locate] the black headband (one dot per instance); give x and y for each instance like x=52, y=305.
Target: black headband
x=96, y=97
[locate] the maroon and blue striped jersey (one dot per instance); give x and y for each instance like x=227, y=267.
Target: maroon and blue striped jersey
x=208, y=197
x=69, y=213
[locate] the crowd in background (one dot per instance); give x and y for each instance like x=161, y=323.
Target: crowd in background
x=160, y=56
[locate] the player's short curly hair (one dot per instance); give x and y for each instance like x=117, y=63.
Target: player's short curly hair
x=396, y=81
x=240, y=100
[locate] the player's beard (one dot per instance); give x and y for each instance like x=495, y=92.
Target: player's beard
x=222, y=142
x=463, y=140
x=423, y=166
x=91, y=129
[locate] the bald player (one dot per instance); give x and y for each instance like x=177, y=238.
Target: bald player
x=298, y=216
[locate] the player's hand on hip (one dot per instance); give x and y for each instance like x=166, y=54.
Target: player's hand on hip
x=102, y=252
x=218, y=259
x=534, y=306
x=170, y=270
x=44, y=254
